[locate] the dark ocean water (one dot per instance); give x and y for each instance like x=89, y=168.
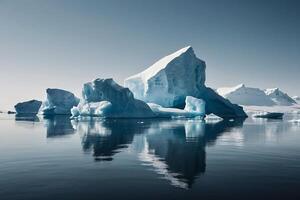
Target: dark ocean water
x=148, y=159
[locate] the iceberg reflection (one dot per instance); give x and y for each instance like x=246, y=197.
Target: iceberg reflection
x=178, y=153
x=27, y=117
x=105, y=138
x=58, y=125
x=174, y=149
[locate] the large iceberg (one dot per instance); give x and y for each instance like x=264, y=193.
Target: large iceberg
x=279, y=97
x=243, y=95
x=28, y=107
x=59, y=102
x=105, y=98
x=168, y=81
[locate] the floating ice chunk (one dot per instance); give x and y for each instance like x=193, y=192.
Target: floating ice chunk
x=28, y=107
x=101, y=108
x=269, y=115
x=194, y=105
x=212, y=118
x=296, y=121
x=59, y=102
x=194, y=108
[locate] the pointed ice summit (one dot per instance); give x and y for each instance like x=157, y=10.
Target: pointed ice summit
x=243, y=95
x=279, y=97
x=168, y=81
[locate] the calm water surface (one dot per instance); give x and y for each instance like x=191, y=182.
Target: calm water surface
x=148, y=159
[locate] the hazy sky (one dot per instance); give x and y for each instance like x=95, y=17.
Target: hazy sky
x=63, y=44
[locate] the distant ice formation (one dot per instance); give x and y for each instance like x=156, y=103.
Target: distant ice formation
x=28, y=107
x=279, y=97
x=256, y=97
x=59, y=102
x=246, y=95
x=168, y=81
x=296, y=98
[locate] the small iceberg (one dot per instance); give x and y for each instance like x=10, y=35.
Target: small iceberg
x=269, y=115
x=28, y=107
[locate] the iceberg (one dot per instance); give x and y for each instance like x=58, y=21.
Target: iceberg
x=168, y=81
x=28, y=107
x=269, y=115
x=243, y=95
x=59, y=102
x=105, y=98
x=279, y=97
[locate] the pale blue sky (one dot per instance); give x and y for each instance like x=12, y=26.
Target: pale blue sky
x=63, y=44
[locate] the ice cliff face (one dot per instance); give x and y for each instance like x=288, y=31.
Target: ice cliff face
x=168, y=81
x=279, y=97
x=28, y=107
x=246, y=95
x=105, y=98
x=59, y=102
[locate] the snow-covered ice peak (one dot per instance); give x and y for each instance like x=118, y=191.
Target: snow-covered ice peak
x=167, y=81
x=226, y=90
x=279, y=97
x=272, y=91
x=248, y=96
x=243, y=95
x=163, y=63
